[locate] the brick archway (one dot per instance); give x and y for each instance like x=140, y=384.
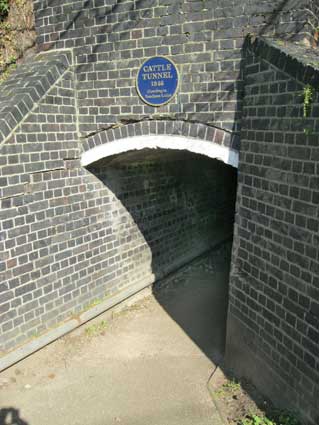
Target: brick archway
x=178, y=135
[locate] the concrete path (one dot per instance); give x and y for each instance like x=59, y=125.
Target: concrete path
x=148, y=365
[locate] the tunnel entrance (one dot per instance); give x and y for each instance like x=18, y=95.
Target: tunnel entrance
x=164, y=217
x=167, y=208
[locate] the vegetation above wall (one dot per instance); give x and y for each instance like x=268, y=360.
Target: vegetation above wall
x=4, y=8
x=312, y=11
x=17, y=34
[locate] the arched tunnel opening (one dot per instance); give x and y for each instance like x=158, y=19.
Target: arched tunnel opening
x=160, y=219
x=171, y=216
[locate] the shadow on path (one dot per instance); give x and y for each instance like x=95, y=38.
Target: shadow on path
x=11, y=416
x=196, y=298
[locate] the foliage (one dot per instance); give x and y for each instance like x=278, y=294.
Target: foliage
x=96, y=329
x=257, y=420
x=312, y=11
x=6, y=73
x=228, y=387
x=281, y=418
x=307, y=100
x=17, y=34
x=4, y=8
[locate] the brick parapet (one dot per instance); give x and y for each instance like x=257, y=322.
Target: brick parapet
x=295, y=59
x=27, y=86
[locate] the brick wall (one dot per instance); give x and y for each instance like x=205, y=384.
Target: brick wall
x=70, y=237
x=67, y=234
x=111, y=39
x=172, y=206
x=38, y=146
x=273, y=320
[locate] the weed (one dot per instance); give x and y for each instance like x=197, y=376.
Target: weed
x=96, y=329
x=280, y=418
x=232, y=386
x=307, y=131
x=12, y=60
x=257, y=420
x=228, y=387
x=6, y=73
x=307, y=100
x=97, y=301
x=4, y=8
x=94, y=303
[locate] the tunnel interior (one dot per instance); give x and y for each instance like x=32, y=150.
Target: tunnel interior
x=166, y=209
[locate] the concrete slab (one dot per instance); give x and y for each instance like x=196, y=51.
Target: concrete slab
x=150, y=364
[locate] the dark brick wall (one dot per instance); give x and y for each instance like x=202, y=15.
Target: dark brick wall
x=20, y=93
x=273, y=334
x=37, y=161
x=172, y=205
x=68, y=238
x=111, y=39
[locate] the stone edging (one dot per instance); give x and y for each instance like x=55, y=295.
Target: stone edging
x=31, y=347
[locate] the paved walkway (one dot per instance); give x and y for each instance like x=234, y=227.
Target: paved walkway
x=149, y=365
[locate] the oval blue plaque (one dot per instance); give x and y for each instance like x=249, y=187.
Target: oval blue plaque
x=157, y=81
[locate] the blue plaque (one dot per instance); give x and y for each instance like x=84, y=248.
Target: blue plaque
x=157, y=81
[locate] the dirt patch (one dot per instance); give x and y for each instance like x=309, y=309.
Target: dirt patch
x=240, y=403
x=17, y=36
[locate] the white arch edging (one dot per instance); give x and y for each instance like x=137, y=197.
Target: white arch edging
x=212, y=150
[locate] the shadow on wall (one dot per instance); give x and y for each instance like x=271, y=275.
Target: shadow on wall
x=181, y=203
x=268, y=27
x=11, y=416
x=169, y=208
x=262, y=22
x=77, y=21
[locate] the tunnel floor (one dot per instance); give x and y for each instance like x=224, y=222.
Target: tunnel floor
x=147, y=364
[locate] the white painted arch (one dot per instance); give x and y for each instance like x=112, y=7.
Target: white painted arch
x=210, y=149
